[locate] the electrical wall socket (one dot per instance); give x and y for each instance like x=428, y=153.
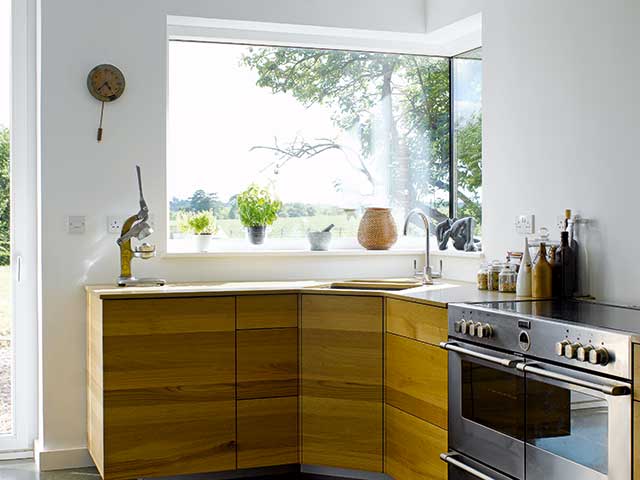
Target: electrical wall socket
x=525, y=224
x=76, y=224
x=114, y=223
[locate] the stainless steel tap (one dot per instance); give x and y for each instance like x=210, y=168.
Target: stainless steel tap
x=427, y=274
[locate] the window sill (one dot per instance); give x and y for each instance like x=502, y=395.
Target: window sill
x=355, y=252
x=294, y=253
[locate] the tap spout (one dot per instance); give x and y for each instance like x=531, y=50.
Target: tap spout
x=427, y=274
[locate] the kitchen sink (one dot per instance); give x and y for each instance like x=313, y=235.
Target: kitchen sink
x=393, y=284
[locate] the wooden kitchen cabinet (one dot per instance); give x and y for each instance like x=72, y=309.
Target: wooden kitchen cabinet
x=413, y=447
x=267, y=432
x=415, y=320
x=267, y=363
x=341, y=381
x=161, y=378
x=416, y=379
x=267, y=311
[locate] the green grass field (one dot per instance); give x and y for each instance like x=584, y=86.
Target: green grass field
x=5, y=301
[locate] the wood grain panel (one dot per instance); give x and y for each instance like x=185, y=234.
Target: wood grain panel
x=413, y=447
x=267, y=363
x=169, y=387
x=267, y=432
x=636, y=371
x=416, y=379
x=420, y=322
x=267, y=311
x=168, y=315
x=169, y=431
x=341, y=379
x=342, y=433
x=95, y=423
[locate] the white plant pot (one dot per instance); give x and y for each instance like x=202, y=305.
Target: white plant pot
x=202, y=242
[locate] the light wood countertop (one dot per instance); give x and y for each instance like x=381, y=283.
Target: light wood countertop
x=440, y=294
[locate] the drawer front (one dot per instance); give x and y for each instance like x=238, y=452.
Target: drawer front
x=267, y=432
x=168, y=315
x=267, y=363
x=416, y=379
x=420, y=322
x=636, y=371
x=267, y=311
x=413, y=447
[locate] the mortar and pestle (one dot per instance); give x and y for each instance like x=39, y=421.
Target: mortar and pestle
x=319, y=241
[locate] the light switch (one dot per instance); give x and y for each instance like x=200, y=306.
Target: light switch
x=76, y=224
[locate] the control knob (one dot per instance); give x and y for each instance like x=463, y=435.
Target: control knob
x=560, y=347
x=571, y=350
x=583, y=353
x=484, y=330
x=473, y=328
x=461, y=326
x=599, y=356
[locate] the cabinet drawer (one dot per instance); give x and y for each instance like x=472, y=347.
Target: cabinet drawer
x=162, y=316
x=267, y=311
x=416, y=379
x=267, y=363
x=420, y=322
x=413, y=447
x=267, y=432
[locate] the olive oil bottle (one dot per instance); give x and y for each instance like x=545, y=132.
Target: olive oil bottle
x=541, y=276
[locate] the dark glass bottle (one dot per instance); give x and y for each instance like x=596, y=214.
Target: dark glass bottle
x=566, y=265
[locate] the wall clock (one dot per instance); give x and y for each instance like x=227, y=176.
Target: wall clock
x=106, y=83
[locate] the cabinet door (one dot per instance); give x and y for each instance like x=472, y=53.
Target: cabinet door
x=413, y=447
x=169, y=386
x=341, y=369
x=414, y=320
x=416, y=378
x=267, y=363
x=267, y=432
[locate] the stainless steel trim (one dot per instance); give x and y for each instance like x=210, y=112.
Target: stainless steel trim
x=505, y=362
x=449, y=458
x=615, y=390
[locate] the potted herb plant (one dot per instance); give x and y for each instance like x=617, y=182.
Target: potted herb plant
x=202, y=225
x=257, y=210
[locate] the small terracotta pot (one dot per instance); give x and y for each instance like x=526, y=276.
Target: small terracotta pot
x=377, y=230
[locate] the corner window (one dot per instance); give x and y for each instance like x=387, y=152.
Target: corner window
x=324, y=133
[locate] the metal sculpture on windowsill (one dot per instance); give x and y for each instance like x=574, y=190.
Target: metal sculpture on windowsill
x=460, y=232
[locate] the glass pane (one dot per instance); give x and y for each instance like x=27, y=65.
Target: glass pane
x=493, y=398
x=467, y=108
x=568, y=424
x=6, y=350
x=329, y=132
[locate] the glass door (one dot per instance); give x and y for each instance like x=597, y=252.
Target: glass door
x=577, y=424
x=18, y=294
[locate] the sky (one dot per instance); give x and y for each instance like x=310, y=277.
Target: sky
x=5, y=56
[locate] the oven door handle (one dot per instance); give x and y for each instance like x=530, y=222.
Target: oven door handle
x=451, y=460
x=505, y=362
x=615, y=390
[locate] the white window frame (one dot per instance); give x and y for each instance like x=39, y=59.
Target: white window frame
x=24, y=237
x=466, y=36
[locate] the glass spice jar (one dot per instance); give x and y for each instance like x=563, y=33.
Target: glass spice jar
x=483, y=278
x=494, y=276
x=507, y=280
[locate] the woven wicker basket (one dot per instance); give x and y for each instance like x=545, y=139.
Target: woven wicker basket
x=377, y=230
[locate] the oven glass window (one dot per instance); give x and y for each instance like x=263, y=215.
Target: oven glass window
x=569, y=424
x=493, y=398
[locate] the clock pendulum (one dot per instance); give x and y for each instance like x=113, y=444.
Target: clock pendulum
x=106, y=83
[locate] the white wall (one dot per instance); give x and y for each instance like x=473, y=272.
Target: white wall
x=441, y=13
x=561, y=128
x=81, y=177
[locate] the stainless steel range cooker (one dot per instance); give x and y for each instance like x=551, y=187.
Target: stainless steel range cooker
x=540, y=390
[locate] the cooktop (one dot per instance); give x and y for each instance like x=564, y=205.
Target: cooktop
x=588, y=313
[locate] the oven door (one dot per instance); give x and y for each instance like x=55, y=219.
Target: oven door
x=486, y=406
x=463, y=468
x=578, y=425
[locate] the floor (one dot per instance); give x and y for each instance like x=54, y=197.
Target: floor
x=25, y=470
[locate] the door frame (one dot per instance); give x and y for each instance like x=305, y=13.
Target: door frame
x=24, y=230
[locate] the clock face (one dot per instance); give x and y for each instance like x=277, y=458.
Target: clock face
x=106, y=83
